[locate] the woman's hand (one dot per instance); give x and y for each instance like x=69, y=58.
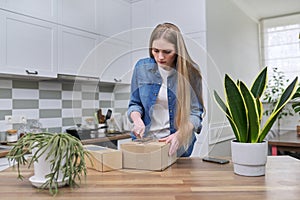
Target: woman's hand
x=139, y=126
x=179, y=138
x=174, y=141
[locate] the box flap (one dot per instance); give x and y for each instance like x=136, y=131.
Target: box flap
x=98, y=149
x=135, y=147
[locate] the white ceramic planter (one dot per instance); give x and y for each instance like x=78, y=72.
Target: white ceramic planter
x=41, y=169
x=249, y=159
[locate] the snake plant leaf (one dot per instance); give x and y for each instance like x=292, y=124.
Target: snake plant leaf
x=284, y=99
x=296, y=105
x=259, y=84
x=260, y=109
x=287, y=94
x=224, y=108
x=237, y=108
x=253, y=115
x=221, y=104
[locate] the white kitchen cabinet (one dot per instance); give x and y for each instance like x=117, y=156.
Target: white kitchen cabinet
x=189, y=15
x=113, y=17
x=141, y=30
x=75, y=52
x=45, y=9
x=79, y=14
x=114, y=61
x=140, y=16
x=28, y=46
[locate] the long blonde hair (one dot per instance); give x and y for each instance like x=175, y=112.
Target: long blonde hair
x=187, y=70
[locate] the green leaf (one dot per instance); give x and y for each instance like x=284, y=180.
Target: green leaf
x=296, y=97
x=221, y=104
x=236, y=107
x=284, y=99
x=224, y=108
x=259, y=106
x=287, y=94
x=296, y=107
x=253, y=115
x=259, y=84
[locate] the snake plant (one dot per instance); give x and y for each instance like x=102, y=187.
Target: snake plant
x=296, y=104
x=65, y=153
x=243, y=107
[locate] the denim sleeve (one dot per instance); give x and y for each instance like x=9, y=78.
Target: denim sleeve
x=196, y=109
x=135, y=101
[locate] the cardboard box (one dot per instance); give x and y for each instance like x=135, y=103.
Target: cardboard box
x=103, y=158
x=147, y=156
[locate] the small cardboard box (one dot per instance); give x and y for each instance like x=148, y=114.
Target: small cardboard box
x=103, y=159
x=147, y=156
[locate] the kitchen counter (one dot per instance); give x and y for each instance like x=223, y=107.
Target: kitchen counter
x=188, y=178
x=107, y=138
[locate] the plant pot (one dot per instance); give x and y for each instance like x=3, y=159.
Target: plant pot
x=249, y=159
x=42, y=167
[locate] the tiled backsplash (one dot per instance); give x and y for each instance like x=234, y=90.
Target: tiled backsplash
x=59, y=105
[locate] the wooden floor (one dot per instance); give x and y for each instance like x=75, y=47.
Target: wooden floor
x=187, y=179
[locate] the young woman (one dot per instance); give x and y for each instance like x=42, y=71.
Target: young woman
x=166, y=92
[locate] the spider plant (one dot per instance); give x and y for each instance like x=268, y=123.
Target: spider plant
x=243, y=107
x=64, y=152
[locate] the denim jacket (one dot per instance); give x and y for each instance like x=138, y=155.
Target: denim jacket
x=145, y=85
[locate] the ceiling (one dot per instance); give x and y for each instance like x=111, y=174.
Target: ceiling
x=261, y=9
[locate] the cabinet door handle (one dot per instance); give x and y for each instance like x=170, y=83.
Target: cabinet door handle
x=117, y=80
x=32, y=73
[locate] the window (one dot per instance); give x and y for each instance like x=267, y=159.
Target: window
x=281, y=46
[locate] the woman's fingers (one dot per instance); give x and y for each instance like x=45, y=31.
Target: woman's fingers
x=139, y=129
x=174, y=143
x=173, y=147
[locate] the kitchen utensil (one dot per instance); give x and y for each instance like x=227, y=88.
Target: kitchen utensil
x=100, y=117
x=108, y=114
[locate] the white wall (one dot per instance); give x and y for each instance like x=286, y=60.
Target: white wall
x=232, y=48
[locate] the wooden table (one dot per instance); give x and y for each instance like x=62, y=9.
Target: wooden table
x=188, y=178
x=286, y=142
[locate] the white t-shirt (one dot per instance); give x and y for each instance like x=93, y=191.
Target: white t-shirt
x=160, y=126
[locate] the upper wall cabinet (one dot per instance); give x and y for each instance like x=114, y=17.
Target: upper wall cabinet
x=75, y=52
x=113, y=18
x=189, y=15
x=78, y=14
x=28, y=46
x=45, y=9
x=50, y=37
x=114, y=61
